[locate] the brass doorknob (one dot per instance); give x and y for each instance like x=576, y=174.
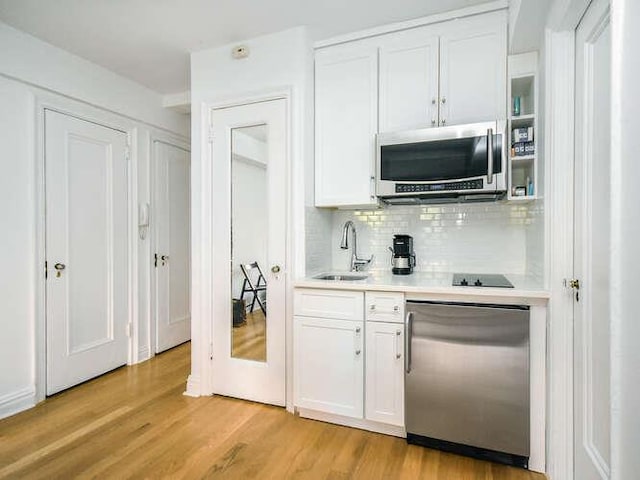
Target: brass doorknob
x=59, y=266
x=275, y=269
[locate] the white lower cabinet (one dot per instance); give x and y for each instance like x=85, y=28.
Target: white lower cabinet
x=384, y=393
x=329, y=365
x=331, y=373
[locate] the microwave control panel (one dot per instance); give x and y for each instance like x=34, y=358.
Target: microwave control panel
x=439, y=187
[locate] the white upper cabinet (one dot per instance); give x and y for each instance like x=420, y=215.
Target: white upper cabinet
x=473, y=69
x=346, y=110
x=408, y=80
x=447, y=73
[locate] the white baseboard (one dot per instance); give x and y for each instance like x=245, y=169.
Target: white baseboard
x=193, y=386
x=360, y=423
x=143, y=354
x=17, y=401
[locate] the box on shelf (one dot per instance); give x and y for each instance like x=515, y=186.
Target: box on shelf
x=524, y=134
x=521, y=149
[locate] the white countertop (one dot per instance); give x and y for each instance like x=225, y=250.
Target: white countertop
x=437, y=285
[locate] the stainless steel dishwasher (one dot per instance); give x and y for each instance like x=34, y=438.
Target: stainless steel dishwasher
x=467, y=379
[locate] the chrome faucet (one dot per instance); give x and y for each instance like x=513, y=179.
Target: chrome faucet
x=356, y=263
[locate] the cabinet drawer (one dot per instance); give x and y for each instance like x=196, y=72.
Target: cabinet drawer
x=384, y=307
x=336, y=304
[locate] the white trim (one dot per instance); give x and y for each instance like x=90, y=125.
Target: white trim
x=418, y=22
x=360, y=423
x=559, y=137
x=193, y=386
x=143, y=354
x=14, y=402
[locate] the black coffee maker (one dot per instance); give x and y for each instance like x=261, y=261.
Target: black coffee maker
x=403, y=258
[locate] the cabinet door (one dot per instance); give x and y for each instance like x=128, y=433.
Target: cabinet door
x=473, y=70
x=384, y=397
x=346, y=110
x=409, y=81
x=329, y=365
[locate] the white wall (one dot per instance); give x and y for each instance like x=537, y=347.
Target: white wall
x=17, y=295
x=626, y=240
x=277, y=61
x=32, y=71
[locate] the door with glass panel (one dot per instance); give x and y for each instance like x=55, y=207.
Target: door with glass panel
x=249, y=204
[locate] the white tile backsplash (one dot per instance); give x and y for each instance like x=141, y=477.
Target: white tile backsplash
x=481, y=237
x=318, y=233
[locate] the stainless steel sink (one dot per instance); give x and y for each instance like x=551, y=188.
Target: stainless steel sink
x=340, y=277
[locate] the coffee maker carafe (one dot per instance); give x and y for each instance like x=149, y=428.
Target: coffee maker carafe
x=403, y=258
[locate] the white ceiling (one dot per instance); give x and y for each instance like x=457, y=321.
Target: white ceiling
x=149, y=41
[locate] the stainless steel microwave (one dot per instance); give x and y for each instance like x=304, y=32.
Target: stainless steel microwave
x=459, y=163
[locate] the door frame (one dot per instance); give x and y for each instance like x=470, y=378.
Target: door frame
x=88, y=113
x=199, y=381
x=559, y=134
x=172, y=142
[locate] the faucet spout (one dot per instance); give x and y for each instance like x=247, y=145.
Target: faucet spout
x=356, y=263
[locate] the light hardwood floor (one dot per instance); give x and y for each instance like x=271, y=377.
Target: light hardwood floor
x=249, y=340
x=135, y=423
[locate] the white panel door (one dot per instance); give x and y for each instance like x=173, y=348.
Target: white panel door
x=409, y=81
x=329, y=366
x=592, y=250
x=172, y=261
x=346, y=124
x=473, y=70
x=86, y=249
x=384, y=398
x=250, y=185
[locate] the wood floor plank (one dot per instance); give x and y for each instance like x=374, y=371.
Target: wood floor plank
x=135, y=423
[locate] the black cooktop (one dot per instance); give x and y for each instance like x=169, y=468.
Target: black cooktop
x=480, y=280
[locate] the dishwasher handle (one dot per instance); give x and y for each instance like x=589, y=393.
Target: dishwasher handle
x=408, y=327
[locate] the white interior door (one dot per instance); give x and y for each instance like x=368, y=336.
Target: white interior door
x=172, y=259
x=86, y=249
x=592, y=251
x=250, y=211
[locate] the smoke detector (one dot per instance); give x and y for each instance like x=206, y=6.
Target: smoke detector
x=241, y=51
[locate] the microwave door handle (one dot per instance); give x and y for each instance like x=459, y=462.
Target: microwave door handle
x=490, y=156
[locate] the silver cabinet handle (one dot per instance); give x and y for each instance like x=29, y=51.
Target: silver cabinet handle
x=444, y=100
x=398, y=354
x=396, y=308
x=433, y=121
x=433, y=101
x=444, y=120
x=372, y=307
x=408, y=325
x=357, y=329
x=489, y=156
x=373, y=187
x=358, y=352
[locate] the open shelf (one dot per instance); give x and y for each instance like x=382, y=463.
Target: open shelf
x=523, y=158
x=523, y=169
